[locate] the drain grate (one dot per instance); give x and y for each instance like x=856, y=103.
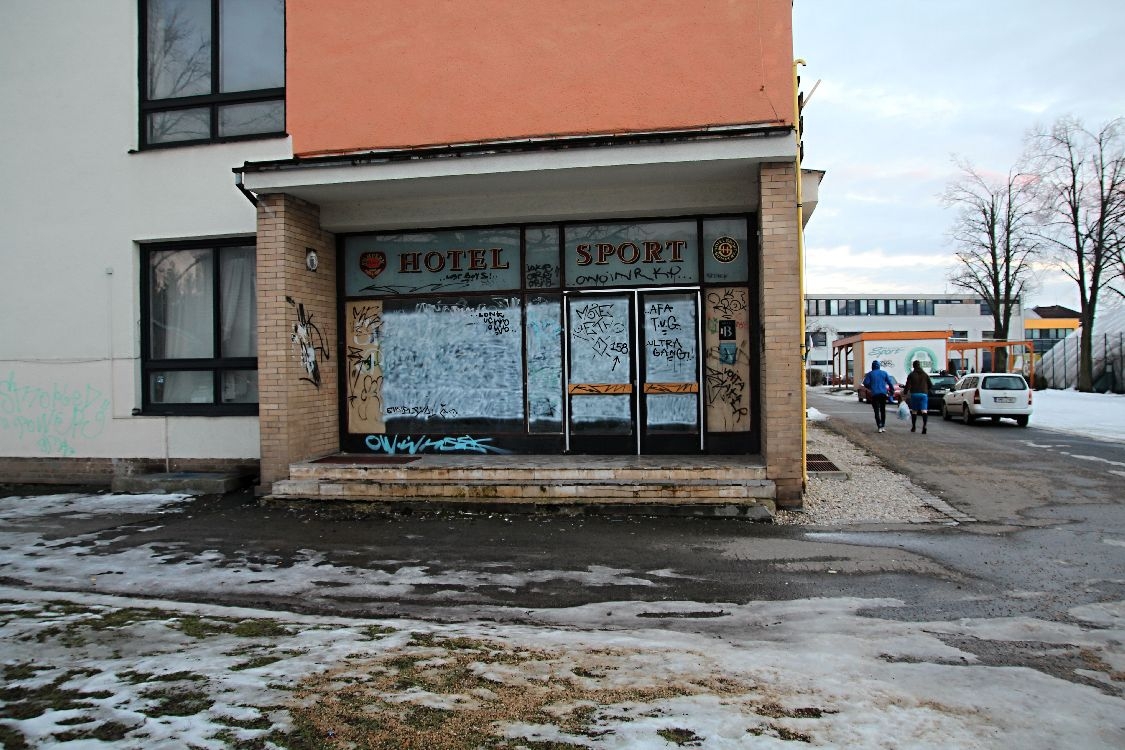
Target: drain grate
x=820, y=462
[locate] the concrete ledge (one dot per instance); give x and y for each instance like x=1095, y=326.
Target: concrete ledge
x=703, y=492
x=762, y=511
x=190, y=482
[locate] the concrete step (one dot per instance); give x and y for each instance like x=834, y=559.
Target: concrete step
x=700, y=491
x=719, y=483
x=529, y=474
x=189, y=482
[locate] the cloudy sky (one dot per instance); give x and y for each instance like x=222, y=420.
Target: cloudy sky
x=908, y=84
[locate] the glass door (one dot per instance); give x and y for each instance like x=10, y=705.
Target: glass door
x=601, y=399
x=670, y=394
x=633, y=379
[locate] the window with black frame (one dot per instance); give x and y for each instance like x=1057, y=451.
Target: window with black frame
x=199, y=328
x=211, y=70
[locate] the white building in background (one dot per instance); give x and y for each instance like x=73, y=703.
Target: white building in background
x=827, y=318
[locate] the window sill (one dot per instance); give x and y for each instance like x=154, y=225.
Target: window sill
x=207, y=142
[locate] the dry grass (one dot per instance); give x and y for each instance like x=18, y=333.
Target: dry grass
x=461, y=694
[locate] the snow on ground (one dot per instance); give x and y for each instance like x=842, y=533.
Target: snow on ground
x=88, y=670
x=1096, y=415
x=609, y=675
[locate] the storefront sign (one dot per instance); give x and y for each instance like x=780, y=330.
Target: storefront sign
x=625, y=255
x=471, y=260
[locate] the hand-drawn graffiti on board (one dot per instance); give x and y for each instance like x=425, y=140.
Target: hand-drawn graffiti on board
x=310, y=343
x=727, y=363
x=365, y=367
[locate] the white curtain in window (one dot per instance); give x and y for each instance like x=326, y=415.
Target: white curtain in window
x=183, y=304
x=237, y=304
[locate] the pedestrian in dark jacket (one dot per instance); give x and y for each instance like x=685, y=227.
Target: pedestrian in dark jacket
x=879, y=385
x=918, y=387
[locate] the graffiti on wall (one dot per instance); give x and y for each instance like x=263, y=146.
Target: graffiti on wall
x=411, y=445
x=365, y=367
x=310, y=342
x=55, y=417
x=727, y=363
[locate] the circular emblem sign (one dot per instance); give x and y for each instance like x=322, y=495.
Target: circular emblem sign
x=372, y=263
x=725, y=249
x=925, y=357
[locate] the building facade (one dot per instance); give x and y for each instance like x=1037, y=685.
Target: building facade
x=963, y=317
x=1049, y=325
x=296, y=229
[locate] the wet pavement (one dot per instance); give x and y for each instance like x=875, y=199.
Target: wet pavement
x=229, y=550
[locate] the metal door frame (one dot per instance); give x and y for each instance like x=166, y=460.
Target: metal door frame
x=636, y=356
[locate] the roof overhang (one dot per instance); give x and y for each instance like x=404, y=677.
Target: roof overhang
x=528, y=181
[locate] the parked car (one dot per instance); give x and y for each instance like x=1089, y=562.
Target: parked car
x=993, y=395
x=864, y=395
x=939, y=386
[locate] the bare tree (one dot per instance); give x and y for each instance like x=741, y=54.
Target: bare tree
x=1082, y=186
x=994, y=232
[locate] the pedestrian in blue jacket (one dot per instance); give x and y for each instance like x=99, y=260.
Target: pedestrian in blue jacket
x=879, y=385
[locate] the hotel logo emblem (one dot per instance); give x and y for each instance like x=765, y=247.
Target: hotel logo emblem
x=373, y=263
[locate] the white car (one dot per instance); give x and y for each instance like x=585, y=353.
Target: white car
x=989, y=394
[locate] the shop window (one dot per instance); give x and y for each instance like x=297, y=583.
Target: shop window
x=453, y=364
x=541, y=258
x=199, y=328
x=212, y=70
x=726, y=251
x=544, y=327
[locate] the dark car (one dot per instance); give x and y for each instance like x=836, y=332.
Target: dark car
x=939, y=386
x=892, y=398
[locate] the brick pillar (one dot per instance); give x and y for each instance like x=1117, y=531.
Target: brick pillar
x=298, y=386
x=782, y=371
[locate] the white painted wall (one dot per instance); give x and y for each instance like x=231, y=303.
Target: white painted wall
x=75, y=199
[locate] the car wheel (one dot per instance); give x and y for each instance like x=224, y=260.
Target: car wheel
x=966, y=417
x=1022, y=421
x=945, y=413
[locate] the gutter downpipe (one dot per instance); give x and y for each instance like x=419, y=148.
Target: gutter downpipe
x=801, y=278
x=243, y=189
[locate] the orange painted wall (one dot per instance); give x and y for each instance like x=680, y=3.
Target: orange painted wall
x=367, y=74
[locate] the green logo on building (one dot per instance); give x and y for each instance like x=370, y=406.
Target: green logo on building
x=925, y=357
